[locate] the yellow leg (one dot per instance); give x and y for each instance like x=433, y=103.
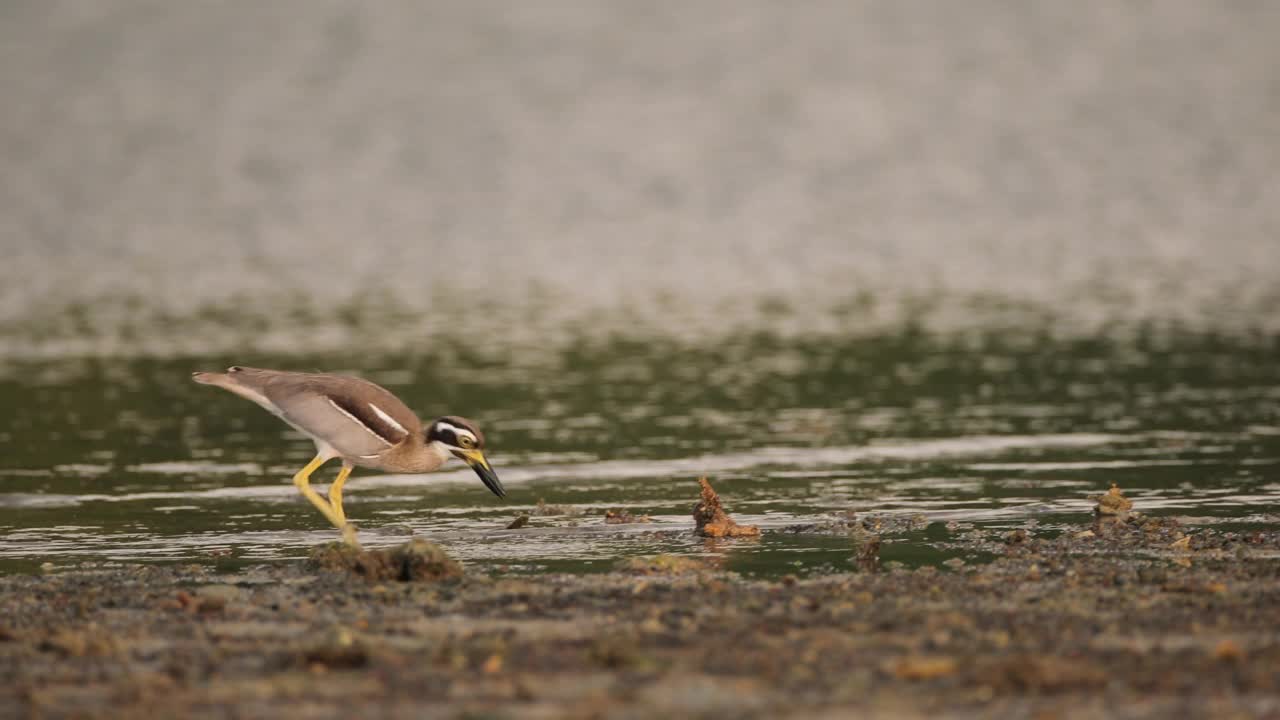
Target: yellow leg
x=302, y=480
x=335, y=492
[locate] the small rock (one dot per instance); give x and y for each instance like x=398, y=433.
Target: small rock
x=337, y=647
x=624, y=517
x=211, y=605
x=225, y=593
x=921, y=667
x=1228, y=651
x=519, y=522
x=493, y=665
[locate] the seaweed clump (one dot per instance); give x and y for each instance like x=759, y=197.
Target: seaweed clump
x=711, y=519
x=1115, y=520
x=1114, y=504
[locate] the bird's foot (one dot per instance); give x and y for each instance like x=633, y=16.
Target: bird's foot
x=349, y=536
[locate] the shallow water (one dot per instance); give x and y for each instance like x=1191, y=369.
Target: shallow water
x=971, y=263
x=128, y=460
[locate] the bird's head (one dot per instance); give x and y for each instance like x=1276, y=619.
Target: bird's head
x=462, y=439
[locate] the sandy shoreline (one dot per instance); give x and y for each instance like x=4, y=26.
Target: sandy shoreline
x=1119, y=624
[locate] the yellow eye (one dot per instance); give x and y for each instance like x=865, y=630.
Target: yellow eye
x=466, y=441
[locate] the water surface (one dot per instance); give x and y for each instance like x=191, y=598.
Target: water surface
x=126, y=459
x=920, y=262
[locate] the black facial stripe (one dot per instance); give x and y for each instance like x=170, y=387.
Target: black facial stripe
x=443, y=430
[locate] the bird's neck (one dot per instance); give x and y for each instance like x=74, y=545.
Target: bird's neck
x=416, y=455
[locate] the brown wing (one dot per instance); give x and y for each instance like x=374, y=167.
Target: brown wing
x=353, y=415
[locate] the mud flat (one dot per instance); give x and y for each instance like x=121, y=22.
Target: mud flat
x=1131, y=617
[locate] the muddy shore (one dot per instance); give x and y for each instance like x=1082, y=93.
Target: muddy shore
x=1129, y=618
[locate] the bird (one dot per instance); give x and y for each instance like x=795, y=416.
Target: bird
x=359, y=422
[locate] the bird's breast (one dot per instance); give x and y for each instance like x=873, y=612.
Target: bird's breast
x=407, y=457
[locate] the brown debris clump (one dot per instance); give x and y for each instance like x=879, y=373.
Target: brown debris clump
x=866, y=556
x=414, y=561
x=624, y=517
x=711, y=519
x=1113, y=513
x=1113, y=503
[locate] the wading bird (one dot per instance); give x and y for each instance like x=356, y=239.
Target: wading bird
x=359, y=422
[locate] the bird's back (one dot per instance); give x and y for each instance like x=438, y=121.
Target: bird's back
x=352, y=415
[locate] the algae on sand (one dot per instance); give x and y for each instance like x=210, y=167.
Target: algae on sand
x=663, y=565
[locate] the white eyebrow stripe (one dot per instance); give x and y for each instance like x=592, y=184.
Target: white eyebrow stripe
x=389, y=420
x=356, y=420
x=457, y=431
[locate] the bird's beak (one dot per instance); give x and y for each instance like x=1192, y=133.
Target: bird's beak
x=476, y=460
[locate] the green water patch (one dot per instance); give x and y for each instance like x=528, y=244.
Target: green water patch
x=126, y=459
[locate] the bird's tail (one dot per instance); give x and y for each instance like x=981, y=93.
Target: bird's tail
x=234, y=377
x=244, y=382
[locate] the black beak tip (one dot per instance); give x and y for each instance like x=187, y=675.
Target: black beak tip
x=490, y=480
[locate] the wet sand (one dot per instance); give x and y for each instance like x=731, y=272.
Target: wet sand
x=1130, y=618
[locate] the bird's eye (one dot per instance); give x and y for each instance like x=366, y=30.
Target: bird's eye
x=466, y=442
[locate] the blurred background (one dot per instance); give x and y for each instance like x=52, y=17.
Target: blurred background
x=638, y=241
